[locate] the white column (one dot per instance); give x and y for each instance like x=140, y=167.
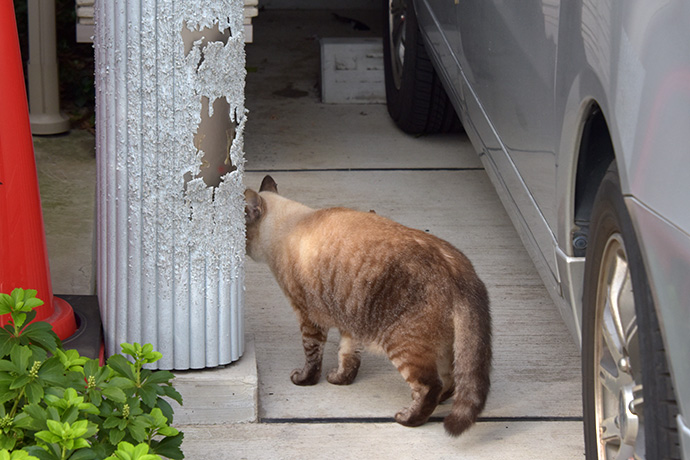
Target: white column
x=42, y=69
x=169, y=121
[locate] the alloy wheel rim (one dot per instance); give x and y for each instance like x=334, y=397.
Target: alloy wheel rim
x=396, y=35
x=617, y=377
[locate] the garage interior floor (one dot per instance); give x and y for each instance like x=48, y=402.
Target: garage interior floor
x=353, y=155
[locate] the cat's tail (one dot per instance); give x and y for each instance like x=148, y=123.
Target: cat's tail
x=472, y=357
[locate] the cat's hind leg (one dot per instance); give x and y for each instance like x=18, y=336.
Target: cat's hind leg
x=349, y=359
x=422, y=375
x=313, y=341
x=445, y=371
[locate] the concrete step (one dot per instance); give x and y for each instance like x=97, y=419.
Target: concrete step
x=510, y=440
x=220, y=395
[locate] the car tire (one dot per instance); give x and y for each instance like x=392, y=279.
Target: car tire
x=415, y=97
x=628, y=400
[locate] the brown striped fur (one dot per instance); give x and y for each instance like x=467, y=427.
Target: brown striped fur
x=404, y=291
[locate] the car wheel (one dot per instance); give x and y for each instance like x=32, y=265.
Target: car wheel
x=628, y=400
x=416, y=99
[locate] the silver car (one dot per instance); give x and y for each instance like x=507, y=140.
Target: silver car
x=580, y=111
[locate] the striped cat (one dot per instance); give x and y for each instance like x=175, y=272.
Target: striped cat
x=397, y=290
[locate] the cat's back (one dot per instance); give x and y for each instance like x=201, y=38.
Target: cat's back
x=344, y=226
x=345, y=236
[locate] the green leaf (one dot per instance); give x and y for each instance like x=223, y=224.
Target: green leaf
x=153, y=356
x=91, y=430
x=164, y=406
x=168, y=431
x=48, y=437
x=80, y=427
x=111, y=422
x=16, y=455
x=83, y=454
x=7, y=366
x=20, y=381
x=52, y=372
x=89, y=408
x=25, y=421
x=172, y=393
x=107, y=408
x=34, y=392
x=41, y=333
x=7, y=341
x=103, y=449
x=95, y=397
x=41, y=454
x=30, y=316
x=36, y=412
x=71, y=397
x=7, y=442
x=20, y=357
x=157, y=418
x=70, y=415
x=6, y=304
x=37, y=353
x=56, y=427
x=169, y=447
x=33, y=302
x=148, y=395
x=116, y=436
x=129, y=349
x=53, y=413
x=92, y=367
x=115, y=394
x=80, y=444
x=160, y=377
x=71, y=360
x=137, y=429
x=17, y=295
x=19, y=319
x=126, y=451
x=120, y=365
x=6, y=394
x=121, y=382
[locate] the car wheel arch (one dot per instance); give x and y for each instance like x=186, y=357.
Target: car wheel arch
x=595, y=154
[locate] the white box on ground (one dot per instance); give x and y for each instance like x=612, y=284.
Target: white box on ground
x=352, y=71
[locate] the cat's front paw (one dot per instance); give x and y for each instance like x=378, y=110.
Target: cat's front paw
x=306, y=376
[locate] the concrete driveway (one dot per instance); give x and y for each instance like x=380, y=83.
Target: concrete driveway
x=352, y=155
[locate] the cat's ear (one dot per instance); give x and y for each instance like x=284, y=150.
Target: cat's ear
x=254, y=209
x=268, y=185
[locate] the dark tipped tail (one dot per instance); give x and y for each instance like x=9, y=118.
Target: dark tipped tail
x=472, y=363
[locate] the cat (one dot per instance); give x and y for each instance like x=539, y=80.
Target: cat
x=401, y=291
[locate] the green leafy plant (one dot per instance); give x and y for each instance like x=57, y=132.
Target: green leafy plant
x=58, y=405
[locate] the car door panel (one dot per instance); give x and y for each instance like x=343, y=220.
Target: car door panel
x=499, y=50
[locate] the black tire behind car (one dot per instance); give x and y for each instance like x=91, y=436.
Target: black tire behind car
x=416, y=99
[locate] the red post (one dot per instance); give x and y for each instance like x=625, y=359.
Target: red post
x=23, y=253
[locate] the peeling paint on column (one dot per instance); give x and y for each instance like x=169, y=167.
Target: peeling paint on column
x=170, y=119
